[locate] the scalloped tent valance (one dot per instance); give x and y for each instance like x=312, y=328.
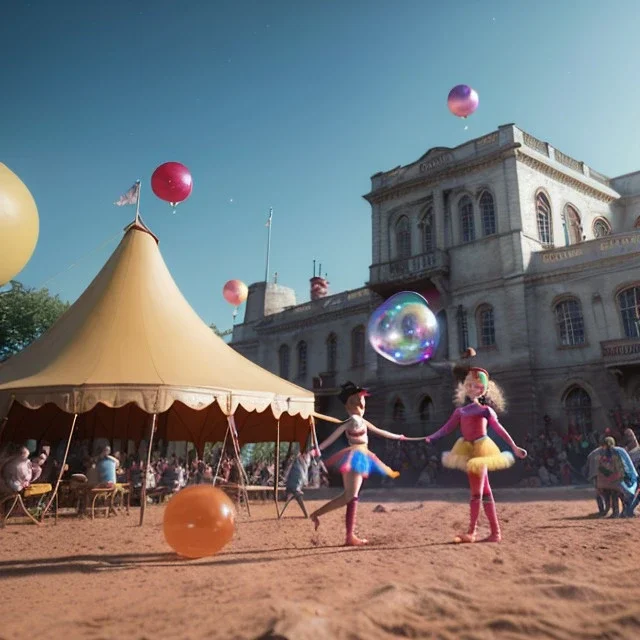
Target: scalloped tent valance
x=131, y=346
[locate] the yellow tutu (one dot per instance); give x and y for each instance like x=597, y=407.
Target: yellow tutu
x=472, y=457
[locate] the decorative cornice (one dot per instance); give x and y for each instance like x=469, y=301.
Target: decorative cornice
x=397, y=191
x=563, y=178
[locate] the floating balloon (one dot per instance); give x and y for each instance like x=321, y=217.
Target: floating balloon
x=462, y=101
x=235, y=292
x=172, y=183
x=404, y=329
x=19, y=225
x=199, y=521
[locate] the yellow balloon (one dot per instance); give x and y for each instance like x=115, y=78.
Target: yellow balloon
x=19, y=225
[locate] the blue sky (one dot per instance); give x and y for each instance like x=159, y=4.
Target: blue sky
x=290, y=104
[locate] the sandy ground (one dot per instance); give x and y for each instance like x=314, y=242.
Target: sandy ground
x=558, y=574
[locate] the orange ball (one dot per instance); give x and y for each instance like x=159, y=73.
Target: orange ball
x=199, y=521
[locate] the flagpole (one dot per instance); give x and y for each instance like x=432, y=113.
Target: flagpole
x=266, y=273
x=138, y=203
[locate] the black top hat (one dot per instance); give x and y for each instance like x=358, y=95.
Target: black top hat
x=347, y=390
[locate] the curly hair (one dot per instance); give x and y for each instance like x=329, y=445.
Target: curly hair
x=494, y=397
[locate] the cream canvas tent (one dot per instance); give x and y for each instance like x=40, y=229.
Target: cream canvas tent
x=131, y=351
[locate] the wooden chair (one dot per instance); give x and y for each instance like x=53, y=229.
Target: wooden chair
x=123, y=492
x=37, y=495
x=104, y=494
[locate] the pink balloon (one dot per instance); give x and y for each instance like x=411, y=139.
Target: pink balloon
x=172, y=182
x=462, y=100
x=235, y=292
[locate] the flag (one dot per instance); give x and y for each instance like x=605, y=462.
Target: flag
x=269, y=219
x=131, y=197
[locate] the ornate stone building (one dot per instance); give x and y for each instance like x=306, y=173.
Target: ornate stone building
x=525, y=254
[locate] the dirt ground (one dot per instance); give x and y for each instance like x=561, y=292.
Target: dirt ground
x=559, y=573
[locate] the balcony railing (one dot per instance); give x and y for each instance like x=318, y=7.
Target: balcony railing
x=623, y=351
x=410, y=268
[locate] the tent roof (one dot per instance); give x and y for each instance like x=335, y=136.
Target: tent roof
x=132, y=338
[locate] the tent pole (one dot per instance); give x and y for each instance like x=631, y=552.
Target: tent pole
x=236, y=449
x=276, y=475
x=5, y=419
x=64, y=462
x=143, y=489
x=222, y=451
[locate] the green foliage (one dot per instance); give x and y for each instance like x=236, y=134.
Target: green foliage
x=219, y=333
x=25, y=314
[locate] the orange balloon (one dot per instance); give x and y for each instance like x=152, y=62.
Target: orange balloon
x=199, y=521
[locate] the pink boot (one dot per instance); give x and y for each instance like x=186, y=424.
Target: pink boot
x=352, y=540
x=492, y=516
x=474, y=513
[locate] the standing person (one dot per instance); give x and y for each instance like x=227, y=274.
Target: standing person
x=477, y=400
x=106, y=467
x=355, y=462
x=297, y=480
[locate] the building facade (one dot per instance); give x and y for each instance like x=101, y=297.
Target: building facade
x=524, y=253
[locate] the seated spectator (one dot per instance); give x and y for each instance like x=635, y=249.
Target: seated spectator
x=17, y=471
x=106, y=467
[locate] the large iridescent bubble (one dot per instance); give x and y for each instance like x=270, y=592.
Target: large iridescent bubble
x=462, y=100
x=404, y=329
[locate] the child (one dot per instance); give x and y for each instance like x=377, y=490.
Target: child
x=475, y=452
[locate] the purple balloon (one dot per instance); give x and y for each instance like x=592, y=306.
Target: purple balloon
x=462, y=100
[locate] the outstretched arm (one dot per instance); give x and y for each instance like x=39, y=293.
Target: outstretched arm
x=332, y=438
x=494, y=423
x=447, y=428
x=383, y=433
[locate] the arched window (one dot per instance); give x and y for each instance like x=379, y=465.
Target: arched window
x=637, y=224
x=302, y=359
x=283, y=361
x=486, y=326
x=629, y=307
x=426, y=409
x=543, y=217
x=428, y=232
x=601, y=228
x=570, y=322
x=332, y=353
x=399, y=414
x=487, y=214
x=357, y=346
x=463, y=329
x=577, y=404
x=403, y=237
x=465, y=209
x=572, y=220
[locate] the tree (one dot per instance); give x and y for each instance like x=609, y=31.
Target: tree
x=219, y=333
x=25, y=314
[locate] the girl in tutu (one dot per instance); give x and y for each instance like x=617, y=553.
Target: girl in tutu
x=355, y=462
x=477, y=400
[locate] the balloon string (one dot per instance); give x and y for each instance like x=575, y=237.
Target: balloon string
x=79, y=260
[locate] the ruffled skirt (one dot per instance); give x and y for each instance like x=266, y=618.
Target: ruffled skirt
x=359, y=459
x=473, y=457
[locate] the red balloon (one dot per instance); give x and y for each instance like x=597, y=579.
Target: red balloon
x=172, y=182
x=235, y=292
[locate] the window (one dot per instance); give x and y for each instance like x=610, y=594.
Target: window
x=403, y=237
x=426, y=409
x=601, y=228
x=332, y=353
x=357, y=347
x=629, y=306
x=486, y=326
x=399, y=413
x=637, y=224
x=572, y=220
x=543, y=217
x=302, y=359
x=570, y=322
x=463, y=330
x=283, y=360
x=577, y=404
x=487, y=214
x=428, y=239
x=465, y=208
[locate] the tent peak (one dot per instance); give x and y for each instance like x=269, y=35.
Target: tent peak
x=139, y=225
